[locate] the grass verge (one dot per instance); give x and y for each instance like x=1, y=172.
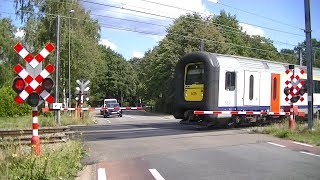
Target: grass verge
x=300, y=133
x=46, y=120
x=57, y=161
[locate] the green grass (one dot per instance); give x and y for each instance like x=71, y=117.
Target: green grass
x=301, y=133
x=57, y=161
x=46, y=120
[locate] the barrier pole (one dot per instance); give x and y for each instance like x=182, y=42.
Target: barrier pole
x=291, y=120
x=35, y=140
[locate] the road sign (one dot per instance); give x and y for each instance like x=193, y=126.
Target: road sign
x=82, y=90
x=33, y=61
x=35, y=85
x=293, y=86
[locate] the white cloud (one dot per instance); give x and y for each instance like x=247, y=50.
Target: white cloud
x=157, y=38
x=153, y=9
x=20, y=33
x=251, y=30
x=213, y=1
x=108, y=43
x=137, y=54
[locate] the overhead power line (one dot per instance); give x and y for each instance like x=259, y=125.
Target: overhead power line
x=226, y=5
x=230, y=30
x=173, y=18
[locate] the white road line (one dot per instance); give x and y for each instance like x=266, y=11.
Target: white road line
x=303, y=144
x=276, y=144
x=156, y=174
x=102, y=174
x=309, y=153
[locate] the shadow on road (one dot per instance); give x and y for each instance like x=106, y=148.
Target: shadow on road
x=128, y=131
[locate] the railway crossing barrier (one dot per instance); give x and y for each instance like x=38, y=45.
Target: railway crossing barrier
x=241, y=113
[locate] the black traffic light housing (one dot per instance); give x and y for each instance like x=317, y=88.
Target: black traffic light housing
x=287, y=91
x=18, y=85
x=47, y=84
x=302, y=90
x=33, y=99
x=295, y=99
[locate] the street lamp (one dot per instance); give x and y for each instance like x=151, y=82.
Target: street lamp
x=69, y=57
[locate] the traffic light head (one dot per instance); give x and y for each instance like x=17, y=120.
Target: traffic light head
x=295, y=99
x=286, y=91
x=18, y=85
x=302, y=90
x=33, y=99
x=47, y=84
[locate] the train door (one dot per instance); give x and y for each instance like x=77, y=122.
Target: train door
x=275, y=93
x=251, y=88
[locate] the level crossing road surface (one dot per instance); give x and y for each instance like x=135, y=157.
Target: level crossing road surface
x=141, y=145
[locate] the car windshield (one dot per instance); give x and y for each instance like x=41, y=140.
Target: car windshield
x=111, y=105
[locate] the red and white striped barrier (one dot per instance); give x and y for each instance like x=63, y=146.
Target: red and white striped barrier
x=99, y=108
x=240, y=113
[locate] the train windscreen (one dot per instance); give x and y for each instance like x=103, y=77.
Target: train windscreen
x=194, y=74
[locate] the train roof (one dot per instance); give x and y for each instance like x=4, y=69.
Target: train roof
x=246, y=63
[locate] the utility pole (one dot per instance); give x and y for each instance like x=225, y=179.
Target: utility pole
x=202, y=45
x=56, y=95
x=69, y=58
x=309, y=62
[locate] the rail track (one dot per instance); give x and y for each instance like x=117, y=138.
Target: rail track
x=47, y=135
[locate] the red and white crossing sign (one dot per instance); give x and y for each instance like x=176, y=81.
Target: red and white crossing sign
x=33, y=83
x=294, y=84
x=33, y=61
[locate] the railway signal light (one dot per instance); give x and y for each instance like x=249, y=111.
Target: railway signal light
x=287, y=91
x=18, y=85
x=47, y=84
x=295, y=99
x=302, y=90
x=33, y=99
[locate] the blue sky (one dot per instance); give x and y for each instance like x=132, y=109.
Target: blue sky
x=284, y=22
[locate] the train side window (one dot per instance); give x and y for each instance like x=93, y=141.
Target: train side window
x=274, y=88
x=251, y=81
x=316, y=88
x=230, y=81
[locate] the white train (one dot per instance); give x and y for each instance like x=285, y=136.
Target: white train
x=216, y=82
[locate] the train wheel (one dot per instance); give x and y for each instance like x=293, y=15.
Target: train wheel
x=230, y=123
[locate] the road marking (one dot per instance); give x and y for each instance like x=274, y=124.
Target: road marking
x=303, y=144
x=276, y=144
x=102, y=174
x=156, y=174
x=303, y=152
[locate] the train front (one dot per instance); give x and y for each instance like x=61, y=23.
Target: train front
x=196, y=88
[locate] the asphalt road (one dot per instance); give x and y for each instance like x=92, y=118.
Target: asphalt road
x=141, y=145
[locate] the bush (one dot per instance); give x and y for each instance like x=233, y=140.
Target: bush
x=8, y=108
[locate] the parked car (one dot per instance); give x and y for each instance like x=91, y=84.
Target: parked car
x=114, y=110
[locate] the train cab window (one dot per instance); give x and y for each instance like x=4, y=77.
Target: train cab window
x=251, y=81
x=194, y=74
x=230, y=82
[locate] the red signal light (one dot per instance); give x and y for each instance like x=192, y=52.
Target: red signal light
x=18, y=85
x=47, y=84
